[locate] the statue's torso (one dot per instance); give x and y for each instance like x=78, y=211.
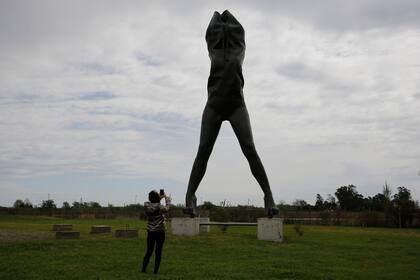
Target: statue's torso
x=225, y=39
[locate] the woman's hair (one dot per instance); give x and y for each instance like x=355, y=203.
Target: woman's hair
x=154, y=196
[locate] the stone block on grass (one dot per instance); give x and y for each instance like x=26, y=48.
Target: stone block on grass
x=62, y=227
x=67, y=234
x=126, y=233
x=100, y=229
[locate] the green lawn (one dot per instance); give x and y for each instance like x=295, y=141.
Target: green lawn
x=28, y=250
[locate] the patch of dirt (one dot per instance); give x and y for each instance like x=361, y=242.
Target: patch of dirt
x=20, y=235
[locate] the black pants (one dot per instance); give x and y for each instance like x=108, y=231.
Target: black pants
x=152, y=238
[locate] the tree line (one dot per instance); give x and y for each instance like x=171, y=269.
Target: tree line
x=50, y=204
x=398, y=209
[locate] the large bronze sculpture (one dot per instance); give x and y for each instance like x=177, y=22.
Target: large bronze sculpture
x=225, y=38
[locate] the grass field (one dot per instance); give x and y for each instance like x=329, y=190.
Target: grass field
x=28, y=250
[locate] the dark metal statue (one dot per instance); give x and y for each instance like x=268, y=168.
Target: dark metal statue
x=225, y=38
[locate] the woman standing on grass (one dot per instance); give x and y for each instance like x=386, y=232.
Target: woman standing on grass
x=155, y=226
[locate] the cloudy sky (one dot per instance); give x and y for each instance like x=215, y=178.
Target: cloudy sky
x=103, y=99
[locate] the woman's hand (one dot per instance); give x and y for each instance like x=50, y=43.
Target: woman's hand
x=168, y=200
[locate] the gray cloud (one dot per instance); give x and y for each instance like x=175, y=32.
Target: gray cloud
x=97, y=68
x=300, y=71
x=344, y=15
x=98, y=95
x=147, y=59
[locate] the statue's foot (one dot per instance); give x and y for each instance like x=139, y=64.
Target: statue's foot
x=190, y=206
x=190, y=211
x=272, y=212
x=270, y=207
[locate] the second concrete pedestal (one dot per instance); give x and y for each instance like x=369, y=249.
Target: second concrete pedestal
x=204, y=228
x=270, y=229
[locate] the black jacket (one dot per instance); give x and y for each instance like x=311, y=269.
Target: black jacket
x=225, y=38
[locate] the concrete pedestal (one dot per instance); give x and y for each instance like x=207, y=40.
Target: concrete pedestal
x=185, y=226
x=62, y=227
x=204, y=228
x=100, y=229
x=127, y=233
x=270, y=229
x=67, y=234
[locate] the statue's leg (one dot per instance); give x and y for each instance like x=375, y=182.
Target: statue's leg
x=242, y=127
x=210, y=127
